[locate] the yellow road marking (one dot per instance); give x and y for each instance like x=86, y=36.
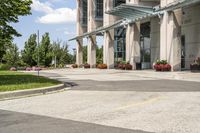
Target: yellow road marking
x=148, y=101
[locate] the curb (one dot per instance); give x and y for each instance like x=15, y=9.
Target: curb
x=33, y=92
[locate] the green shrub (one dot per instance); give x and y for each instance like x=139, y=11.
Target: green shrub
x=164, y=62
x=4, y=67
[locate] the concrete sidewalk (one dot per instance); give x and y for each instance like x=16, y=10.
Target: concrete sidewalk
x=119, y=75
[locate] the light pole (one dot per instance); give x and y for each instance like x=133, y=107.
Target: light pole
x=38, y=54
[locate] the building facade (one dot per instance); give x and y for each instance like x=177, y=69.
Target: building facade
x=140, y=31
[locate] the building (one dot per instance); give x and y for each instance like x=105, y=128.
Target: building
x=140, y=31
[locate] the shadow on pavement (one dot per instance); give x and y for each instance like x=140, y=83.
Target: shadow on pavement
x=140, y=86
x=13, y=122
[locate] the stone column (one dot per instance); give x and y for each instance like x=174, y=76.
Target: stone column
x=80, y=30
x=92, y=51
x=170, y=36
x=170, y=39
x=133, y=44
x=91, y=39
x=108, y=49
x=108, y=46
x=79, y=52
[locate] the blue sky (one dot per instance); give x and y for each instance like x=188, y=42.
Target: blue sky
x=57, y=17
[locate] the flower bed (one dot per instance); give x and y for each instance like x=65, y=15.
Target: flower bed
x=86, y=66
x=28, y=69
x=162, y=65
x=13, y=69
x=195, y=67
x=124, y=66
x=102, y=66
x=36, y=68
x=74, y=66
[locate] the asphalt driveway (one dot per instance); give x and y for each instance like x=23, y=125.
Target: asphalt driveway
x=139, y=104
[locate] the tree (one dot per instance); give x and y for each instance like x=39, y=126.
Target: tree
x=10, y=10
x=29, y=54
x=99, y=55
x=45, y=49
x=84, y=54
x=12, y=55
x=61, y=54
x=66, y=58
x=56, y=52
x=3, y=50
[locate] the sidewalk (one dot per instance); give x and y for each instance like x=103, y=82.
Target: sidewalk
x=120, y=75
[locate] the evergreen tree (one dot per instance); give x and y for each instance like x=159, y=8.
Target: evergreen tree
x=45, y=50
x=65, y=56
x=30, y=51
x=12, y=55
x=56, y=52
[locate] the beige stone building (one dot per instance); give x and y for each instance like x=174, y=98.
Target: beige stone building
x=140, y=31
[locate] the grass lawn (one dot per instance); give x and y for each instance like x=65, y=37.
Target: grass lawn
x=10, y=81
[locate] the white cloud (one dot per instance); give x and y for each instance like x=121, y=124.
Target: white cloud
x=53, y=16
x=41, y=7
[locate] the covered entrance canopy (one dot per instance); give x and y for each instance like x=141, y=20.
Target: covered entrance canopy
x=128, y=12
x=99, y=30
x=132, y=12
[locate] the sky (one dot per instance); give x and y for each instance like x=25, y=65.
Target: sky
x=58, y=17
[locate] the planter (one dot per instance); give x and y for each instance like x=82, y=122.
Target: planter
x=121, y=66
x=74, y=66
x=195, y=68
x=102, y=66
x=125, y=66
x=162, y=67
x=128, y=67
x=86, y=66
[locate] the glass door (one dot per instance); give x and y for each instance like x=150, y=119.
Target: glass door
x=145, y=46
x=120, y=45
x=183, y=52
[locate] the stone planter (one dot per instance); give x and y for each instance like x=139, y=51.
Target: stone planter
x=195, y=68
x=74, y=66
x=86, y=66
x=162, y=67
x=102, y=66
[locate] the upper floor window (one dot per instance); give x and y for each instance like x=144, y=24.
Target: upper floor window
x=99, y=9
x=84, y=12
x=118, y=2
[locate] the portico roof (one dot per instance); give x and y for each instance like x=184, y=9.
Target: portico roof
x=132, y=13
x=100, y=30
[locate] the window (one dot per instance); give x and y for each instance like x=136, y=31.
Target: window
x=118, y=2
x=99, y=9
x=120, y=44
x=84, y=12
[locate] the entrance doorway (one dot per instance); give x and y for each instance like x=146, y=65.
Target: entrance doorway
x=120, y=44
x=145, y=46
x=183, y=52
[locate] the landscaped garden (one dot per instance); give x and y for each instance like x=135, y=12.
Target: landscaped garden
x=11, y=81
